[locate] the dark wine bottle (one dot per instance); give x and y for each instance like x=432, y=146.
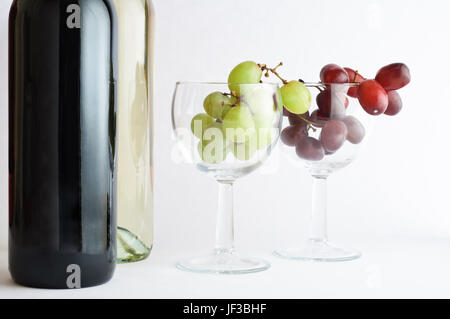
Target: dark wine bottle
x=62, y=142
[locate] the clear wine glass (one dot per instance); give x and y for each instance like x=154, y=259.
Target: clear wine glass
x=233, y=143
x=335, y=133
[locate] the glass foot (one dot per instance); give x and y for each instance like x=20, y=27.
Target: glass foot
x=129, y=247
x=318, y=250
x=223, y=263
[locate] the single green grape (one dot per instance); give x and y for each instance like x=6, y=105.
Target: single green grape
x=244, y=73
x=213, y=148
x=238, y=124
x=244, y=151
x=218, y=104
x=199, y=123
x=296, y=97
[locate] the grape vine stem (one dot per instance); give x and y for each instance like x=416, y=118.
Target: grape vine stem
x=311, y=123
x=265, y=68
x=356, y=74
x=233, y=94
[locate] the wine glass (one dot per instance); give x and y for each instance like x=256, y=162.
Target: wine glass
x=324, y=140
x=226, y=135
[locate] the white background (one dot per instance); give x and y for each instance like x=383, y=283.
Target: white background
x=392, y=203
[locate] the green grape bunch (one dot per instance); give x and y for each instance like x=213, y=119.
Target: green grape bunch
x=241, y=121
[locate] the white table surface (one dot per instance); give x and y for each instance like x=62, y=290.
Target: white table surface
x=390, y=268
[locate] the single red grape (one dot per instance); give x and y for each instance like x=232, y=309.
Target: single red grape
x=332, y=73
x=353, y=91
x=291, y=135
x=395, y=103
x=332, y=104
x=372, y=97
x=393, y=76
x=355, y=130
x=333, y=135
x=310, y=149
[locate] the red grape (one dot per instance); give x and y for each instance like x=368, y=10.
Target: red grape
x=333, y=135
x=395, y=103
x=353, y=91
x=331, y=104
x=393, y=76
x=355, y=130
x=332, y=73
x=372, y=97
x=291, y=135
x=310, y=149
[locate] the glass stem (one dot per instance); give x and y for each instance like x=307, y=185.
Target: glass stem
x=225, y=219
x=318, y=230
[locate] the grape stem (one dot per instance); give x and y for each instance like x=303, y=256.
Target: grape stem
x=230, y=104
x=233, y=94
x=311, y=124
x=310, y=127
x=265, y=68
x=356, y=74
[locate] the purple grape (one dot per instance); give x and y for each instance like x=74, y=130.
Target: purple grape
x=333, y=135
x=395, y=103
x=332, y=104
x=355, y=130
x=291, y=135
x=310, y=149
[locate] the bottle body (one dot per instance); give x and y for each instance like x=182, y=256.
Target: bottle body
x=62, y=142
x=135, y=129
